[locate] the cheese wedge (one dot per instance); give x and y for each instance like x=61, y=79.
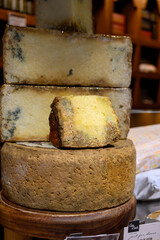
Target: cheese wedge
x=25, y=109
x=50, y=57
x=68, y=15
x=82, y=122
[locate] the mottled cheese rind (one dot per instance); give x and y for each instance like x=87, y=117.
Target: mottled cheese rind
x=68, y=15
x=69, y=180
x=25, y=109
x=82, y=122
x=51, y=57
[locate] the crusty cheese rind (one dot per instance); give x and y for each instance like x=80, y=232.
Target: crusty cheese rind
x=82, y=122
x=68, y=15
x=69, y=180
x=25, y=109
x=51, y=57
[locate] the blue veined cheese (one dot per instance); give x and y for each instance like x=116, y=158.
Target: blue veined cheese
x=68, y=15
x=25, y=109
x=51, y=57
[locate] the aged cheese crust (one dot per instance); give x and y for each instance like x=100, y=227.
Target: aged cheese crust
x=51, y=57
x=69, y=180
x=83, y=121
x=68, y=15
x=25, y=109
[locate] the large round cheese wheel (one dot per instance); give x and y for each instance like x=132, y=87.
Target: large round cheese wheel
x=69, y=180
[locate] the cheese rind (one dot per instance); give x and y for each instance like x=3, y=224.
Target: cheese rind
x=25, y=109
x=68, y=15
x=69, y=180
x=50, y=57
x=83, y=121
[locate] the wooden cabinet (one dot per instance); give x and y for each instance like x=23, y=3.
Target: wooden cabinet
x=146, y=44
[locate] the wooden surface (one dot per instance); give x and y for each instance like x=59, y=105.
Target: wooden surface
x=10, y=235
x=4, y=16
x=144, y=118
x=58, y=225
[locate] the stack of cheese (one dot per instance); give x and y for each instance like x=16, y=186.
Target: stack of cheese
x=41, y=64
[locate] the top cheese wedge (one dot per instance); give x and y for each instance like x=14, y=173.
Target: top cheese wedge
x=83, y=122
x=51, y=57
x=68, y=15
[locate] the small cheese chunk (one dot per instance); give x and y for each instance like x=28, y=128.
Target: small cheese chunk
x=25, y=109
x=83, y=121
x=50, y=57
x=67, y=15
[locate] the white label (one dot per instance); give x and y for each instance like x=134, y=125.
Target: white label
x=16, y=20
x=148, y=231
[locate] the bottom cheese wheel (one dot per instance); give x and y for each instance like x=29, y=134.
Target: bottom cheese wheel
x=69, y=180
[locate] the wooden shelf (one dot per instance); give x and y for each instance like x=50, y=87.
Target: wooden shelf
x=145, y=42
x=145, y=49
x=149, y=75
x=146, y=106
x=58, y=225
x=4, y=16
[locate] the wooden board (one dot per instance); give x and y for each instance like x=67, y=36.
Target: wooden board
x=58, y=225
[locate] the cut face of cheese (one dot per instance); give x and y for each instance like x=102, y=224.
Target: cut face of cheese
x=83, y=121
x=68, y=15
x=45, y=57
x=69, y=180
x=25, y=109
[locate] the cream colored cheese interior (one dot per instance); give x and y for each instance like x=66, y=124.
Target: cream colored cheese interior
x=54, y=58
x=92, y=114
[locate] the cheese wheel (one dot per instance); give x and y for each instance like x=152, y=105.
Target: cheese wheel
x=69, y=180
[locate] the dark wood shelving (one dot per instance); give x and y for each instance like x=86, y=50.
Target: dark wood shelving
x=145, y=42
x=144, y=48
x=149, y=75
x=4, y=16
x=146, y=106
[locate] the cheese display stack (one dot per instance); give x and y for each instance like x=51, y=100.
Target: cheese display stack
x=41, y=65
